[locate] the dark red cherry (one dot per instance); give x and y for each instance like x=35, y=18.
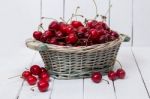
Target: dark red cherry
x=91, y=23
x=121, y=73
x=52, y=40
x=37, y=35
x=96, y=77
x=94, y=35
x=35, y=69
x=54, y=25
x=76, y=24
x=71, y=39
x=48, y=34
x=59, y=34
x=43, y=38
x=112, y=75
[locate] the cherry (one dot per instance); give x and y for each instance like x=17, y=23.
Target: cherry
x=71, y=39
x=44, y=76
x=102, y=32
x=61, y=43
x=121, y=73
x=35, y=70
x=102, y=39
x=26, y=74
x=86, y=35
x=43, y=85
x=63, y=27
x=59, y=34
x=76, y=24
x=54, y=25
x=94, y=35
x=53, y=40
x=48, y=34
x=96, y=77
x=112, y=75
x=37, y=35
x=69, y=29
x=43, y=70
x=43, y=38
x=91, y=24
x=115, y=34
x=31, y=80
x=82, y=29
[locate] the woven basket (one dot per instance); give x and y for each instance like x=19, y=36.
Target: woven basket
x=67, y=62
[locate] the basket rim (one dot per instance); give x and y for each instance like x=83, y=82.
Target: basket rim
x=35, y=45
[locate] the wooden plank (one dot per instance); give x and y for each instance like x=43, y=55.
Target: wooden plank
x=12, y=66
x=68, y=89
x=87, y=8
x=98, y=91
x=132, y=86
x=141, y=22
x=143, y=59
x=121, y=17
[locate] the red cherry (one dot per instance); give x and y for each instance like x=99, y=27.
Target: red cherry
x=63, y=28
x=44, y=76
x=102, y=39
x=102, y=32
x=76, y=24
x=94, y=35
x=43, y=70
x=112, y=75
x=115, y=34
x=37, y=35
x=26, y=74
x=121, y=73
x=86, y=35
x=43, y=38
x=35, y=70
x=59, y=34
x=54, y=25
x=91, y=24
x=31, y=80
x=96, y=77
x=71, y=39
x=82, y=29
x=69, y=29
x=48, y=34
x=43, y=85
x=53, y=40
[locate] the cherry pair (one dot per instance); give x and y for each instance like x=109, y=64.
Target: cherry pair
x=36, y=72
x=120, y=73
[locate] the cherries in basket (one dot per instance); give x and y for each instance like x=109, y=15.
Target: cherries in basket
x=76, y=33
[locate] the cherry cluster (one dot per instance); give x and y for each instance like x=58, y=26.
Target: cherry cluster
x=76, y=33
x=37, y=73
x=97, y=76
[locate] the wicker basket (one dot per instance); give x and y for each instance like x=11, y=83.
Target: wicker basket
x=67, y=62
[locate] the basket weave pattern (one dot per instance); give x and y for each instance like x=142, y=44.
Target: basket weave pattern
x=80, y=64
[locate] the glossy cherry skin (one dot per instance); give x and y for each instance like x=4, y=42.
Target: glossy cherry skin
x=48, y=34
x=54, y=25
x=59, y=34
x=69, y=30
x=96, y=77
x=43, y=70
x=120, y=73
x=44, y=76
x=94, y=35
x=112, y=75
x=71, y=39
x=115, y=34
x=43, y=85
x=35, y=70
x=52, y=40
x=43, y=38
x=76, y=24
x=26, y=74
x=37, y=35
x=91, y=24
x=31, y=80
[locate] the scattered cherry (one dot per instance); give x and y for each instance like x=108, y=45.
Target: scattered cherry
x=96, y=77
x=112, y=75
x=43, y=85
x=31, y=80
x=43, y=70
x=44, y=76
x=35, y=70
x=120, y=73
x=26, y=74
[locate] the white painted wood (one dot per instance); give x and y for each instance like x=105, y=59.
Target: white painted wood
x=98, y=91
x=141, y=22
x=132, y=86
x=121, y=17
x=87, y=8
x=143, y=59
x=67, y=89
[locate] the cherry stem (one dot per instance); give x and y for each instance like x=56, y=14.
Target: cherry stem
x=106, y=81
x=62, y=19
x=73, y=15
x=14, y=76
x=119, y=63
x=96, y=9
x=77, y=11
x=41, y=26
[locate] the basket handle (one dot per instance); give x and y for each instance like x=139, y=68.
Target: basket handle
x=36, y=45
x=125, y=38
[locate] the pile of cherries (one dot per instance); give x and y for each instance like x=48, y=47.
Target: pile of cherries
x=97, y=76
x=76, y=33
x=37, y=75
